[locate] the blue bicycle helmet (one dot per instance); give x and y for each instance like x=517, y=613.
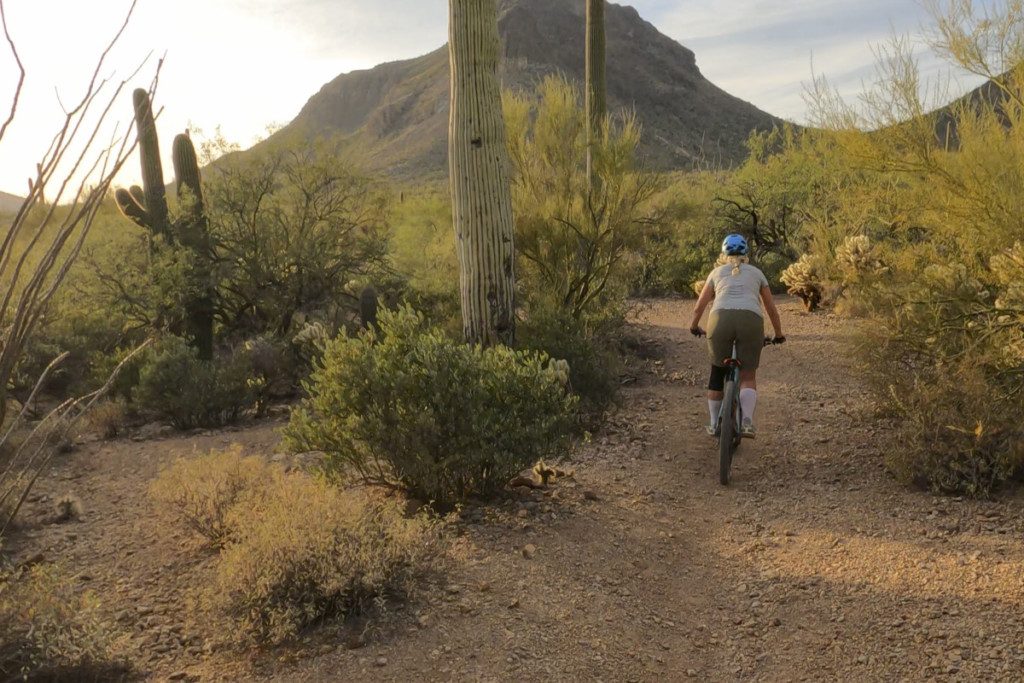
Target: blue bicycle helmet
x=734, y=245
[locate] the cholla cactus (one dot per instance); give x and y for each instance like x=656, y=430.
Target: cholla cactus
x=803, y=279
x=857, y=257
x=1008, y=268
x=560, y=370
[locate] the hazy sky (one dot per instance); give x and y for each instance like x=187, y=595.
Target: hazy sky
x=246, y=64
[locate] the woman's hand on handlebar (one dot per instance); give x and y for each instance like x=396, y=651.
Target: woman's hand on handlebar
x=697, y=331
x=768, y=341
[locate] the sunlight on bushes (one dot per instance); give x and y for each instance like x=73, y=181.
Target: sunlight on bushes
x=410, y=408
x=295, y=549
x=49, y=628
x=206, y=493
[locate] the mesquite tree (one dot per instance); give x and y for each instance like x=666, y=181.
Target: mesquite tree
x=478, y=171
x=596, y=99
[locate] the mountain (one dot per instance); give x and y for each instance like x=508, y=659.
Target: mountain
x=9, y=203
x=397, y=113
x=988, y=95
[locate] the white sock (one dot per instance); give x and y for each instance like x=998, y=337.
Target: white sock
x=714, y=407
x=748, y=399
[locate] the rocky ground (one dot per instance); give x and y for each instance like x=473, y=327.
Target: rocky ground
x=811, y=565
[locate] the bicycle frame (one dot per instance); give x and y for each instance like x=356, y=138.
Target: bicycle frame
x=730, y=418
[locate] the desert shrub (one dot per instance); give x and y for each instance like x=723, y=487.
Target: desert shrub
x=107, y=418
x=311, y=552
x=51, y=630
x=589, y=347
x=409, y=407
x=945, y=357
x=203, y=492
x=958, y=434
x=189, y=392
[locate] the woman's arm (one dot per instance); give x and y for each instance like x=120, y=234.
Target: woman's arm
x=706, y=295
x=773, y=313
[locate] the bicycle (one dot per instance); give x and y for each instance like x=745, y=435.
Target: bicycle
x=728, y=427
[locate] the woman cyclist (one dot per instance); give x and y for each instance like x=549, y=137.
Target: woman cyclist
x=738, y=290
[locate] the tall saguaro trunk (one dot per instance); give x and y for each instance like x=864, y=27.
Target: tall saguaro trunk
x=596, y=102
x=479, y=174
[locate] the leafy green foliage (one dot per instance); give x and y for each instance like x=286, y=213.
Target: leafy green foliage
x=297, y=231
x=922, y=237
x=573, y=240
x=409, y=407
x=189, y=392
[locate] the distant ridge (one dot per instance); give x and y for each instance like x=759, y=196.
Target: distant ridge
x=9, y=203
x=396, y=114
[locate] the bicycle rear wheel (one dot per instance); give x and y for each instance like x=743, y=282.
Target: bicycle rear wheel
x=727, y=432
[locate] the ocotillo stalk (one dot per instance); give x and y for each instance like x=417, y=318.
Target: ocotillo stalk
x=152, y=169
x=596, y=99
x=478, y=168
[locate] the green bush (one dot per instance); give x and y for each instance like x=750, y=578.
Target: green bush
x=191, y=393
x=410, y=408
x=587, y=344
x=946, y=356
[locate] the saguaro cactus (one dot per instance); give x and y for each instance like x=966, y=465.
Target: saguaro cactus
x=478, y=169
x=147, y=207
x=596, y=102
x=155, y=204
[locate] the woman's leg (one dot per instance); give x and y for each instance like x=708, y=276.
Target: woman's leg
x=715, y=395
x=748, y=400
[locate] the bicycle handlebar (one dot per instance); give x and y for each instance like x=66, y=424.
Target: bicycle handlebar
x=768, y=341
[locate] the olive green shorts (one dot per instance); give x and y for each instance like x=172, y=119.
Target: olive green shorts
x=745, y=327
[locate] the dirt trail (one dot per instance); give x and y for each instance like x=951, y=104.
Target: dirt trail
x=812, y=565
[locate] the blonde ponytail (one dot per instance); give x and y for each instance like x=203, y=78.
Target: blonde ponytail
x=736, y=261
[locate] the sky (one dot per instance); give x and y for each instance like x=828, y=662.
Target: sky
x=244, y=66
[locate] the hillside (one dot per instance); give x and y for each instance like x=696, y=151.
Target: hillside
x=396, y=114
x=9, y=203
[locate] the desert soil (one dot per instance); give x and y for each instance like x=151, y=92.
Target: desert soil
x=812, y=565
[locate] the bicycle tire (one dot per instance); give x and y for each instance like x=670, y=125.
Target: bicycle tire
x=727, y=432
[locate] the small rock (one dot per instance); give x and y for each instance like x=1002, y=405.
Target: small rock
x=178, y=676
x=380, y=661
x=529, y=550
x=355, y=643
x=484, y=587
x=590, y=495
